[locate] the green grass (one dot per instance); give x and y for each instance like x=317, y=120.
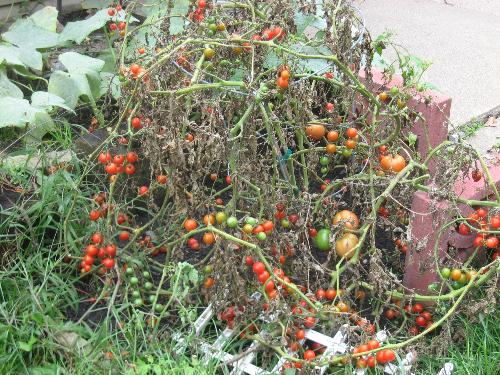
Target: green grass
x=478, y=354
x=470, y=128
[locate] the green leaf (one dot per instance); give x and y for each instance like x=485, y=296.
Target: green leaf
x=63, y=85
x=27, y=346
x=46, y=100
x=238, y=75
x=46, y=18
x=7, y=88
x=25, y=33
x=77, y=31
x=15, y=112
x=148, y=35
x=412, y=139
x=38, y=318
x=77, y=63
x=81, y=80
x=24, y=57
x=40, y=125
x=111, y=82
x=177, y=14
x=310, y=22
x=48, y=369
x=99, y=4
x=303, y=65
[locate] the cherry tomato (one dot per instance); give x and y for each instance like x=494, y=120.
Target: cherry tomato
x=477, y=175
x=108, y=263
x=330, y=294
x=309, y=355
x=258, y=268
x=417, y=308
x=190, y=225
x=351, y=132
x=463, y=229
x=97, y=238
x=94, y=215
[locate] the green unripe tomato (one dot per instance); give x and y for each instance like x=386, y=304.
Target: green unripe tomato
x=434, y=287
x=208, y=269
x=445, y=273
x=456, y=285
x=148, y=285
x=158, y=308
x=208, y=53
x=394, y=90
x=324, y=160
x=251, y=220
x=136, y=294
x=134, y=281
x=212, y=27
x=146, y=274
x=324, y=170
x=346, y=153
x=151, y=298
x=261, y=236
x=285, y=223
x=221, y=217
x=232, y=222
x=129, y=271
x=322, y=239
x=138, y=302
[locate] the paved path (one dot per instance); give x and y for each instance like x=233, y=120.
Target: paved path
x=462, y=40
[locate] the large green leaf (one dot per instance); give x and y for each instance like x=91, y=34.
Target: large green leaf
x=46, y=18
x=7, y=88
x=77, y=31
x=81, y=81
x=77, y=63
x=12, y=55
x=67, y=87
x=149, y=32
x=308, y=22
x=99, y=4
x=40, y=125
x=15, y=112
x=26, y=33
x=46, y=100
x=111, y=83
x=177, y=16
x=302, y=65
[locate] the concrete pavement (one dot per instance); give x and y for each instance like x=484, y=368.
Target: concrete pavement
x=461, y=39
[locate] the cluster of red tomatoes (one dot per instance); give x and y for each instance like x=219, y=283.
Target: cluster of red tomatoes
x=137, y=71
x=121, y=26
x=114, y=165
x=270, y=34
x=382, y=357
x=259, y=269
x=480, y=222
x=317, y=132
x=199, y=14
x=401, y=246
x=390, y=163
x=283, y=77
x=281, y=215
x=95, y=249
x=423, y=318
